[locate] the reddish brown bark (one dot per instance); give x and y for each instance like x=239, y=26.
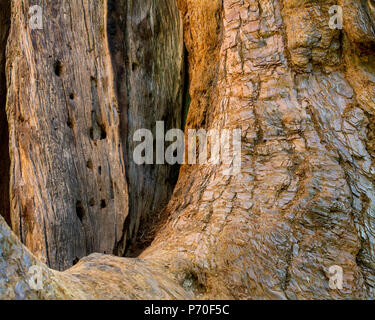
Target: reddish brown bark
x=302, y=94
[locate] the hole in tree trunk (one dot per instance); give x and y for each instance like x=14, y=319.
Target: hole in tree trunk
x=4, y=133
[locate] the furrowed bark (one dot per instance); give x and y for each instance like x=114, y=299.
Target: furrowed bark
x=304, y=201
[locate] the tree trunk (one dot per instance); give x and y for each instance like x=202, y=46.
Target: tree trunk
x=71, y=125
x=302, y=94
x=22, y=276
x=304, y=199
x=69, y=193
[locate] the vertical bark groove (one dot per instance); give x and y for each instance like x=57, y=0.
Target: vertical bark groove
x=147, y=53
x=67, y=157
x=4, y=131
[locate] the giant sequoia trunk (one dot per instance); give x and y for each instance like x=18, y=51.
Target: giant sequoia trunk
x=301, y=93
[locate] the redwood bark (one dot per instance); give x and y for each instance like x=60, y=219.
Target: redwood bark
x=304, y=200
x=302, y=94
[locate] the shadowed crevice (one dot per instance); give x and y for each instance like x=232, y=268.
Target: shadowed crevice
x=117, y=41
x=4, y=133
x=186, y=95
x=145, y=43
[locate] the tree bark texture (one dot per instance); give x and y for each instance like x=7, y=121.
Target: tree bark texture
x=72, y=121
x=304, y=201
x=95, y=277
x=146, y=41
x=301, y=92
x=69, y=195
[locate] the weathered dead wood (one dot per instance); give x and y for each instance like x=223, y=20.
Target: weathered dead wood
x=69, y=194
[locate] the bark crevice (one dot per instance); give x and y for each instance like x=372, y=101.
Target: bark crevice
x=146, y=45
x=4, y=131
